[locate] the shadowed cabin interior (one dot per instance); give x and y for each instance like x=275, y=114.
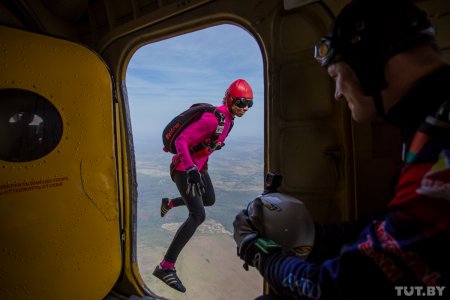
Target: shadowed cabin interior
x=79, y=241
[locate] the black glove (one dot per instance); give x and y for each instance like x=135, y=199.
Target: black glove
x=244, y=223
x=245, y=235
x=195, y=182
x=251, y=246
x=242, y=227
x=249, y=252
x=254, y=249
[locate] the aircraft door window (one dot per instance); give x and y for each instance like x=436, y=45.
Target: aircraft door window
x=30, y=126
x=161, y=83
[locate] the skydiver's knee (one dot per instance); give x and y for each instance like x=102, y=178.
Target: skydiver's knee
x=198, y=218
x=209, y=201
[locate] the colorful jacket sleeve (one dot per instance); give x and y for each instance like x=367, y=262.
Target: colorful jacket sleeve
x=329, y=238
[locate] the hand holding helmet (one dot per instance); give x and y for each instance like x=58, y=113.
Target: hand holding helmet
x=249, y=241
x=273, y=217
x=242, y=227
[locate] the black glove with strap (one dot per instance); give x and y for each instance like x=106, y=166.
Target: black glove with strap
x=244, y=224
x=195, y=182
x=248, y=252
x=251, y=246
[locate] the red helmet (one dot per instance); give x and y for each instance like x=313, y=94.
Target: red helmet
x=239, y=93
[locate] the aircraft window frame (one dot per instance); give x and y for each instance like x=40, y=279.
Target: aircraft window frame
x=146, y=263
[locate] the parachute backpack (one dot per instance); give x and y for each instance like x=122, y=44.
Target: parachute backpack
x=183, y=120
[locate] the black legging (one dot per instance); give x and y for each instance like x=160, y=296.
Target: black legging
x=196, y=206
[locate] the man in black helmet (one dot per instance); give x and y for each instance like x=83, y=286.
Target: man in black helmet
x=384, y=60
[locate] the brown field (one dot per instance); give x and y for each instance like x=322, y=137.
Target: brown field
x=208, y=267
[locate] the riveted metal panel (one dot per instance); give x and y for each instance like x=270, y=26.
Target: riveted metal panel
x=59, y=212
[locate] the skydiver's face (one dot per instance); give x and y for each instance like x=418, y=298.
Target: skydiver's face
x=239, y=111
x=349, y=88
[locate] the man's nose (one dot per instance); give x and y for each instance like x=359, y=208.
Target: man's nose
x=338, y=95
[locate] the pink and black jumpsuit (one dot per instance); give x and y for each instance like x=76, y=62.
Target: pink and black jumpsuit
x=195, y=134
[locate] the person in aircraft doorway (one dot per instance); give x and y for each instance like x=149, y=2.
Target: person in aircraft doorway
x=189, y=172
x=385, y=62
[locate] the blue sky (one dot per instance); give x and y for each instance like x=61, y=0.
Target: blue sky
x=166, y=77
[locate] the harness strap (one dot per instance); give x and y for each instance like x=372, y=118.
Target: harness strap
x=211, y=143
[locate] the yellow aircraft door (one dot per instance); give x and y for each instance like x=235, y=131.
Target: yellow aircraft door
x=59, y=233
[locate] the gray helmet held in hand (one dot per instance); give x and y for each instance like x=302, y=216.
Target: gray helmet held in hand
x=284, y=220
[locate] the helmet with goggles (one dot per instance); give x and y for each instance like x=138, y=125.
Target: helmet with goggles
x=367, y=33
x=239, y=93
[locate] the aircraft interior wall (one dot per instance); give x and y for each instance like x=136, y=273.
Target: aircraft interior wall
x=76, y=239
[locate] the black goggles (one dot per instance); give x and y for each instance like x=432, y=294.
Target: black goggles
x=324, y=52
x=242, y=102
